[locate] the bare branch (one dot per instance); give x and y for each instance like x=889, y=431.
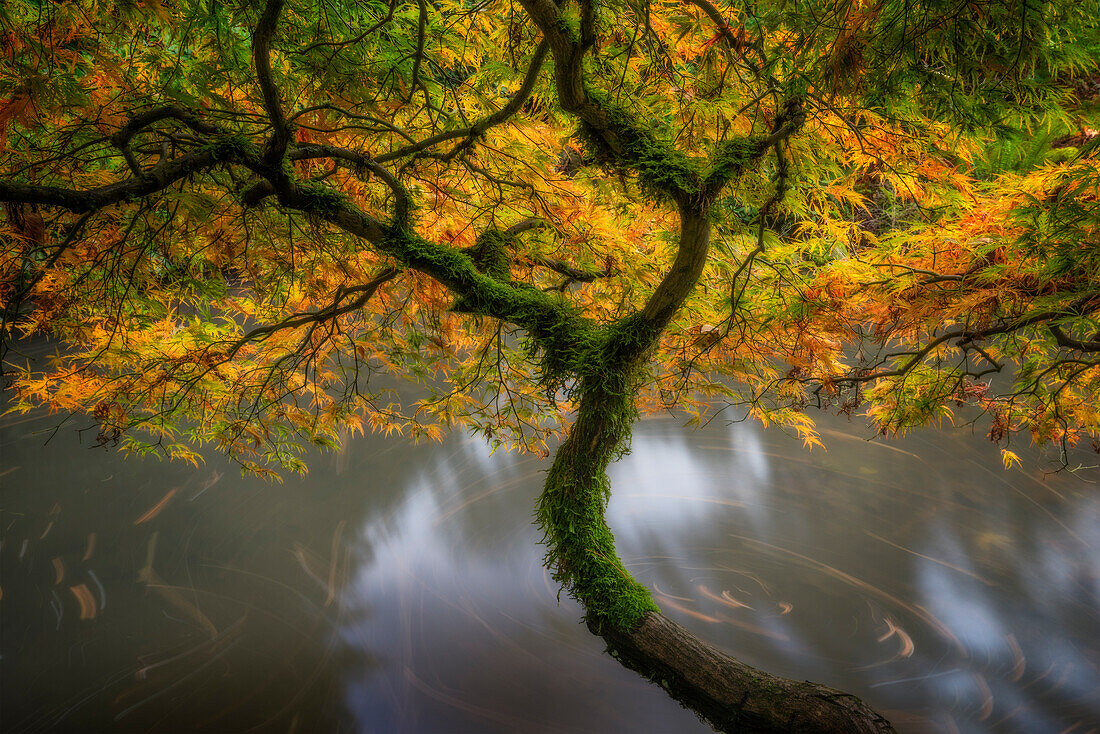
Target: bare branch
x=352, y=41
x=154, y=179
x=1065, y=340
x=573, y=274
x=139, y=122
x=418, y=58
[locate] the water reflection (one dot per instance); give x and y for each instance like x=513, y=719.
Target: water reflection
x=400, y=588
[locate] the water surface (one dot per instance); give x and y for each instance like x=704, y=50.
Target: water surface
x=400, y=588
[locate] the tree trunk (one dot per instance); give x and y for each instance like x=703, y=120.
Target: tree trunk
x=727, y=694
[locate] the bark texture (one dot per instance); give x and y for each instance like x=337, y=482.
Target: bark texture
x=730, y=695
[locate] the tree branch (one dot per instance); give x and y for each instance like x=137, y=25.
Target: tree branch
x=402, y=204
x=151, y=180
x=139, y=122
x=967, y=338
x=366, y=291
x=1069, y=342
x=261, y=56
x=479, y=128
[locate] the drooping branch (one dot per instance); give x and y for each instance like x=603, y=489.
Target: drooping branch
x=734, y=156
x=143, y=120
x=402, y=202
x=1065, y=340
x=335, y=309
x=737, y=286
x=544, y=315
x=968, y=337
x=391, y=7
x=140, y=122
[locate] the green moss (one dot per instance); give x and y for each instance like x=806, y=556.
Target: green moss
x=568, y=23
x=599, y=365
x=731, y=158
x=232, y=147
x=557, y=330
x=1060, y=155
x=319, y=198
x=580, y=546
x=490, y=254
x=662, y=169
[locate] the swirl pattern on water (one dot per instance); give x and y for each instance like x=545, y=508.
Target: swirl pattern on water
x=400, y=588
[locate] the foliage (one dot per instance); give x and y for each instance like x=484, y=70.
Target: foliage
x=243, y=222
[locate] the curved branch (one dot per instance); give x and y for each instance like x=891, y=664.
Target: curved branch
x=1065, y=340
x=781, y=183
x=354, y=115
x=678, y=282
x=403, y=203
x=139, y=122
x=734, y=156
x=136, y=124
x=352, y=41
x=261, y=56
x=543, y=315
x=477, y=129
x=152, y=180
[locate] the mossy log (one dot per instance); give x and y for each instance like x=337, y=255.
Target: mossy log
x=730, y=695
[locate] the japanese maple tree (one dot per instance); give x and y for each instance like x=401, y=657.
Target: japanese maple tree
x=549, y=217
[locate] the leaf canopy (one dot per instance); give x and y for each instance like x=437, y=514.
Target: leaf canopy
x=243, y=222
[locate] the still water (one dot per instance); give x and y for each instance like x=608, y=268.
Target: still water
x=400, y=588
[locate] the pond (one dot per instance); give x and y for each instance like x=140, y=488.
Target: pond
x=400, y=588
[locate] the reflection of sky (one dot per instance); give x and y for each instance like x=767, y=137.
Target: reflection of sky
x=955, y=598
x=1011, y=656
x=667, y=485
x=859, y=567
x=454, y=598
x=846, y=567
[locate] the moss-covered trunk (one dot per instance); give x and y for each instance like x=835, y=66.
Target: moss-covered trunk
x=728, y=694
x=581, y=548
